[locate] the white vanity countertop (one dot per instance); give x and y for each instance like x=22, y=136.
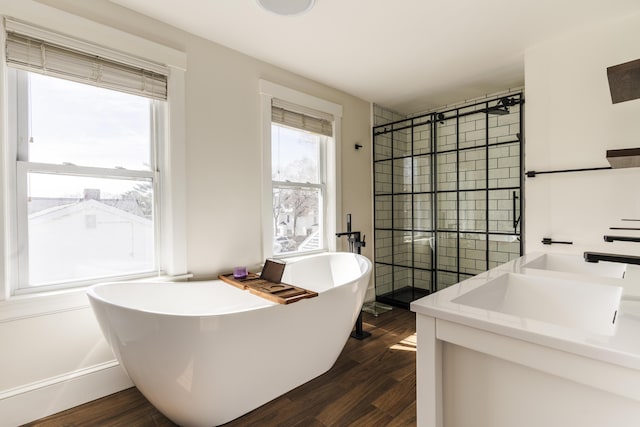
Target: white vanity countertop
x=621, y=348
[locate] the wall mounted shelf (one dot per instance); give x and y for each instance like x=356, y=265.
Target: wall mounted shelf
x=624, y=81
x=624, y=158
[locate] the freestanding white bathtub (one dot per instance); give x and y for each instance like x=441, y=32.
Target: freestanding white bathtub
x=205, y=353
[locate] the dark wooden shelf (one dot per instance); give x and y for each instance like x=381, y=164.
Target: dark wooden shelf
x=624, y=158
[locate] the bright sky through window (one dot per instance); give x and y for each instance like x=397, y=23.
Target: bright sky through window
x=87, y=126
x=295, y=155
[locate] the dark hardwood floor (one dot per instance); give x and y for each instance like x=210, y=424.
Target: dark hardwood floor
x=373, y=383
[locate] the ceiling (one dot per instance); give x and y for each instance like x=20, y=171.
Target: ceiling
x=406, y=55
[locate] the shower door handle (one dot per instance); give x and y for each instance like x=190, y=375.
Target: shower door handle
x=516, y=221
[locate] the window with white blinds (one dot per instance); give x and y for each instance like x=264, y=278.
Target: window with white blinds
x=41, y=56
x=300, y=142
x=302, y=118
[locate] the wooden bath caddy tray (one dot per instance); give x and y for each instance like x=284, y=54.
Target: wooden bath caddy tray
x=281, y=293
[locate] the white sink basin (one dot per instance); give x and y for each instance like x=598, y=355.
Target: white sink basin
x=577, y=265
x=588, y=307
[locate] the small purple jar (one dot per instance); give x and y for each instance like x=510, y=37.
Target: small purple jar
x=240, y=272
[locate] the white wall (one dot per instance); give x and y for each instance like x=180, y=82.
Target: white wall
x=55, y=361
x=570, y=122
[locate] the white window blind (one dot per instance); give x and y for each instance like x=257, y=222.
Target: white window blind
x=299, y=117
x=40, y=56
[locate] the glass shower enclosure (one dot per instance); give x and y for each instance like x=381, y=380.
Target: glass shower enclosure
x=448, y=197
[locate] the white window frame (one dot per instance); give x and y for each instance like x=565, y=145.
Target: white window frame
x=23, y=167
x=171, y=160
x=331, y=167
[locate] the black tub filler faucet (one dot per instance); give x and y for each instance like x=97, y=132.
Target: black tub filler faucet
x=355, y=246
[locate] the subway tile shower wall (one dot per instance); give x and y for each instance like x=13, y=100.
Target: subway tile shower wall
x=476, y=160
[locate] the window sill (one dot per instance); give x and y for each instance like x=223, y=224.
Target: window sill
x=298, y=255
x=46, y=303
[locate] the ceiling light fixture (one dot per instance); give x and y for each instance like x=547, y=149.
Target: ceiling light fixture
x=287, y=7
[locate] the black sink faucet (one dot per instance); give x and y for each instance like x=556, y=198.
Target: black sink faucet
x=624, y=259
x=609, y=238
x=599, y=256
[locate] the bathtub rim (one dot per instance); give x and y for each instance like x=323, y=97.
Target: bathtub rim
x=260, y=302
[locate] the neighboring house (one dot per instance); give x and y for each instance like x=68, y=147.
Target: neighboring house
x=301, y=226
x=105, y=239
x=310, y=243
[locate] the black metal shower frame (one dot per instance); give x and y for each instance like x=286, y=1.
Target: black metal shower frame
x=432, y=119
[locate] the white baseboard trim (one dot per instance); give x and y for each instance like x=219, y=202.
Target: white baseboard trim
x=38, y=400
